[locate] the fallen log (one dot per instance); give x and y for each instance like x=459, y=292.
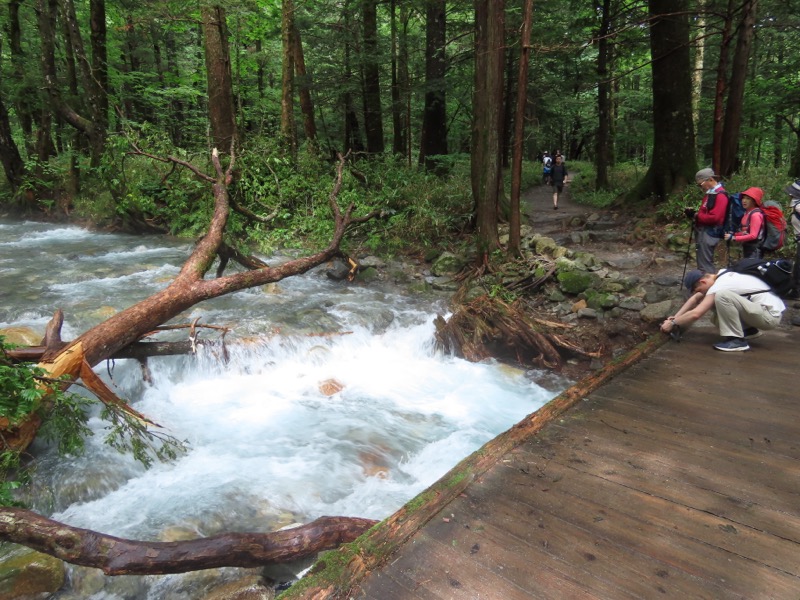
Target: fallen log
x=118, y=556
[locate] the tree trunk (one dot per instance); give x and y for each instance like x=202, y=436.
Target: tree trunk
x=603, y=149
x=433, y=138
x=487, y=121
x=24, y=99
x=288, y=129
x=721, y=88
x=519, y=129
x=95, y=96
x=13, y=166
x=373, y=114
x=729, y=150
x=352, y=136
x=47, y=17
x=117, y=556
x=699, y=62
x=306, y=105
x=221, y=111
x=399, y=125
x=672, y=167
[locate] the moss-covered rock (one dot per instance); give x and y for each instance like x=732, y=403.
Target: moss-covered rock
x=601, y=300
x=25, y=573
x=448, y=264
x=575, y=282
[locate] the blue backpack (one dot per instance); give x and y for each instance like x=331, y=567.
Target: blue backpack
x=733, y=218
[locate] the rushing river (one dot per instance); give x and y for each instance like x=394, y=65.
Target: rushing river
x=266, y=447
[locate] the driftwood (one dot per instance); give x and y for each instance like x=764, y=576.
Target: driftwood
x=118, y=556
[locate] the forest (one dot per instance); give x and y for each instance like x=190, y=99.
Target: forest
x=344, y=125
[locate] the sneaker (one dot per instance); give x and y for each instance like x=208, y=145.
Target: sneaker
x=751, y=333
x=555, y=208
x=732, y=344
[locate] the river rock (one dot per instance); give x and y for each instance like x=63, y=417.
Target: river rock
x=654, y=313
x=25, y=573
x=249, y=588
x=21, y=336
x=448, y=264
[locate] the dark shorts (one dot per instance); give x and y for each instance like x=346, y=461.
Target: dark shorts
x=558, y=187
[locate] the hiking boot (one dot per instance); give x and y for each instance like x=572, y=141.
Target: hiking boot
x=751, y=333
x=732, y=344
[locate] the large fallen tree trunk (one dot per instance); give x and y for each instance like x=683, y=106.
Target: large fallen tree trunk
x=187, y=289
x=117, y=556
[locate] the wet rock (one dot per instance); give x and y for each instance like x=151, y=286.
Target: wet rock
x=250, y=588
x=329, y=387
x=448, y=264
x=25, y=573
x=21, y=336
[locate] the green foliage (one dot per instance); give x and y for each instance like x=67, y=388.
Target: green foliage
x=25, y=389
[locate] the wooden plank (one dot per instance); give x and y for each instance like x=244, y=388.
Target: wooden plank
x=758, y=436
x=633, y=519
x=611, y=570
x=681, y=519
x=771, y=471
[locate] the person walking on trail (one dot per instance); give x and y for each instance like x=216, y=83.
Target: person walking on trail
x=794, y=206
x=742, y=306
x=753, y=227
x=547, y=167
x=558, y=177
x=709, y=220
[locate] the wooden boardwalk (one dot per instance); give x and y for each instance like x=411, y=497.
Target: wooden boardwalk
x=678, y=478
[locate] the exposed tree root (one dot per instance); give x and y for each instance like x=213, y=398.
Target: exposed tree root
x=490, y=328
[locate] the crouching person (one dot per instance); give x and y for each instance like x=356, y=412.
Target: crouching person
x=742, y=306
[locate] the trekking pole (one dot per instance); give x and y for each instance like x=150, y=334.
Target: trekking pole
x=688, y=253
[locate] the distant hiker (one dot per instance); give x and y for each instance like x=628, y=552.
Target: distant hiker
x=751, y=231
x=742, y=306
x=558, y=177
x=794, y=206
x=547, y=167
x=709, y=220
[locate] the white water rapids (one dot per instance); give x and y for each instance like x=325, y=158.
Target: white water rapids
x=266, y=448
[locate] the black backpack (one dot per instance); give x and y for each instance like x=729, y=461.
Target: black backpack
x=777, y=274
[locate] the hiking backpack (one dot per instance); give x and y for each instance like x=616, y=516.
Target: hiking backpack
x=548, y=164
x=734, y=214
x=777, y=274
x=775, y=224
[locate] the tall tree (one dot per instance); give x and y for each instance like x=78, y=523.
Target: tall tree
x=433, y=138
x=306, y=104
x=519, y=129
x=399, y=74
x=12, y=162
x=487, y=121
x=672, y=166
x=729, y=141
x=288, y=129
x=221, y=110
x=373, y=114
x=603, y=147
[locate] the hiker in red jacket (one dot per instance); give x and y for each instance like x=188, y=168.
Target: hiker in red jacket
x=752, y=229
x=709, y=220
